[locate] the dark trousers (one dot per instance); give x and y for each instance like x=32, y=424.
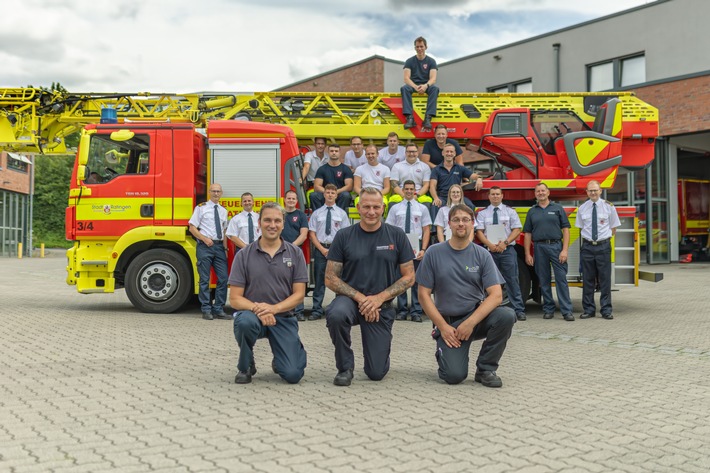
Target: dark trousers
x=319, y=264
x=340, y=316
x=507, y=263
x=496, y=329
x=286, y=346
x=596, y=264
x=432, y=93
x=343, y=201
x=212, y=257
x=546, y=254
x=402, y=306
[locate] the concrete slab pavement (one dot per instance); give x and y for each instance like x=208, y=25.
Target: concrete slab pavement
x=89, y=384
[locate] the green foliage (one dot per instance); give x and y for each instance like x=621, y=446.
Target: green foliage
x=52, y=176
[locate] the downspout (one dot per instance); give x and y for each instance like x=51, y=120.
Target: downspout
x=556, y=49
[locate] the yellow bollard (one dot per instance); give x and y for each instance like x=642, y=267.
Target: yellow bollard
x=41, y=250
x=19, y=251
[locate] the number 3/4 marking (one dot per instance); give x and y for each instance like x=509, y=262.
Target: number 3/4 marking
x=81, y=226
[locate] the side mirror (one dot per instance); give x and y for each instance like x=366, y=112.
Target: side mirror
x=122, y=135
x=81, y=174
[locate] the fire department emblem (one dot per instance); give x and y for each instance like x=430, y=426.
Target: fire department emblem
x=294, y=218
x=425, y=66
x=339, y=174
x=377, y=173
x=107, y=209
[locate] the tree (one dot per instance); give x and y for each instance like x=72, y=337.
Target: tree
x=51, y=195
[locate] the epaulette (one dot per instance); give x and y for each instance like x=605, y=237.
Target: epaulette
x=200, y=205
x=610, y=203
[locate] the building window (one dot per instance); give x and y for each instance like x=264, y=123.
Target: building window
x=616, y=73
x=17, y=164
x=521, y=87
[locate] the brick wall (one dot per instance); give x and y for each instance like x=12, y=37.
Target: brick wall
x=367, y=76
x=13, y=180
x=683, y=106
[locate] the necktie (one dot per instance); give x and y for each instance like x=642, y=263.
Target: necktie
x=217, y=223
x=495, y=215
x=595, y=230
x=407, y=218
x=328, y=221
x=251, y=229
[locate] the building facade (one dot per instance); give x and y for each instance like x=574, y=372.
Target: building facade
x=658, y=50
x=15, y=196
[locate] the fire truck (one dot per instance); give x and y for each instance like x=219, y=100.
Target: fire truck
x=144, y=162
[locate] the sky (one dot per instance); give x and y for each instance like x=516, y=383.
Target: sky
x=183, y=46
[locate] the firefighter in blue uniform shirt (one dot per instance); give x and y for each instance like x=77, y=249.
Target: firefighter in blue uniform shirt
x=597, y=220
x=207, y=225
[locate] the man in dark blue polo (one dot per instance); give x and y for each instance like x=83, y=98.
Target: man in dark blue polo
x=336, y=173
x=444, y=176
x=295, y=231
x=547, y=226
x=268, y=280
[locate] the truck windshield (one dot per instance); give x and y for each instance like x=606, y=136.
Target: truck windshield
x=551, y=125
x=109, y=159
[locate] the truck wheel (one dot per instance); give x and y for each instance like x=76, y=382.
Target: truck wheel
x=159, y=281
x=524, y=279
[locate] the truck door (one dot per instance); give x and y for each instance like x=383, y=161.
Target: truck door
x=120, y=188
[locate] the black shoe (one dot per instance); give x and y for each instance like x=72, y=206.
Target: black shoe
x=521, y=316
x=242, y=378
x=586, y=316
x=400, y=317
x=300, y=317
x=488, y=378
x=607, y=316
x=410, y=123
x=547, y=315
x=568, y=317
x=426, y=125
x=343, y=378
x=207, y=316
x=417, y=318
x=222, y=315
x=315, y=316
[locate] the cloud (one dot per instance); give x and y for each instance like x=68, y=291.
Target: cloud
x=181, y=46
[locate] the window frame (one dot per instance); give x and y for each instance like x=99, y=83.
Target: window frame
x=616, y=71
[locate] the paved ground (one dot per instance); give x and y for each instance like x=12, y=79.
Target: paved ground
x=88, y=384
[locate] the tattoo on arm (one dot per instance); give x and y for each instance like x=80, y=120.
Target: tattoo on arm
x=403, y=283
x=333, y=270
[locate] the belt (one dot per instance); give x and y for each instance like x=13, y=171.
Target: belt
x=325, y=245
x=547, y=242
x=213, y=241
x=451, y=319
x=598, y=242
x=387, y=304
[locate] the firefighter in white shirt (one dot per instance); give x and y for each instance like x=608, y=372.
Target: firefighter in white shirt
x=597, y=220
x=414, y=219
x=502, y=247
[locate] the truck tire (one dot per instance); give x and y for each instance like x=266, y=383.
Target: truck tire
x=524, y=279
x=159, y=281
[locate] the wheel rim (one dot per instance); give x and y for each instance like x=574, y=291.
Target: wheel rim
x=158, y=281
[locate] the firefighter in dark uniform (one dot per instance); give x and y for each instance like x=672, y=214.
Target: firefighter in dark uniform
x=362, y=270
